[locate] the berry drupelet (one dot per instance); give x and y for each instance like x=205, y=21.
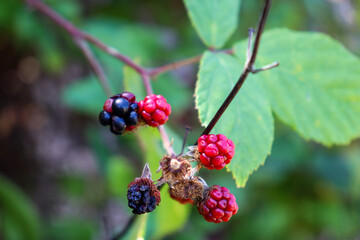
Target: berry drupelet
x=155, y=110
x=120, y=113
x=215, y=151
x=218, y=206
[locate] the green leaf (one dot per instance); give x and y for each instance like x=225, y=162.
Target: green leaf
x=19, y=218
x=85, y=96
x=316, y=88
x=70, y=229
x=170, y=216
x=138, y=229
x=247, y=121
x=214, y=20
x=119, y=174
x=151, y=148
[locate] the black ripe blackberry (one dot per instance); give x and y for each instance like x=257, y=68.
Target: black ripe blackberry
x=120, y=107
x=120, y=113
x=118, y=125
x=142, y=196
x=132, y=119
x=105, y=118
x=134, y=107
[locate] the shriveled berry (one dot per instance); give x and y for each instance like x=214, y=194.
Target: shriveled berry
x=118, y=125
x=154, y=110
x=132, y=119
x=105, y=118
x=218, y=206
x=120, y=107
x=142, y=196
x=215, y=151
x=181, y=200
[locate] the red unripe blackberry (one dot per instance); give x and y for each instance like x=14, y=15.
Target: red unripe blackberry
x=154, y=110
x=218, y=206
x=215, y=151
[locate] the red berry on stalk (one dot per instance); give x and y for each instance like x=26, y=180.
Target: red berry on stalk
x=215, y=151
x=155, y=110
x=218, y=206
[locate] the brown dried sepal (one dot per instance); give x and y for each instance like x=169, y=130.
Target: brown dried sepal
x=175, y=169
x=146, y=181
x=180, y=200
x=184, y=190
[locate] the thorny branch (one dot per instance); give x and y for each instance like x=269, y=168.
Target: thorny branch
x=80, y=39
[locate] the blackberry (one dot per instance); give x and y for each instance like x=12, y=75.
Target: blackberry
x=132, y=119
x=218, y=206
x=121, y=113
x=128, y=96
x=120, y=107
x=134, y=107
x=105, y=118
x=215, y=151
x=154, y=110
x=142, y=196
x=118, y=125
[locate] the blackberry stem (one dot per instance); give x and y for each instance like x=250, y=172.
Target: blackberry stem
x=249, y=67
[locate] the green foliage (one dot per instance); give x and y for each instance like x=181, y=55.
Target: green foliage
x=316, y=89
x=119, y=174
x=70, y=229
x=19, y=218
x=138, y=229
x=215, y=20
x=304, y=191
x=76, y=95
x=170, y=216
x=247, y=121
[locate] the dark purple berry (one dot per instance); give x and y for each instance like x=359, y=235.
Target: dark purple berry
x=134, y=107
x=128, y=95
x=132, y=119
x=115, y=96
x=143, y=196
x=105, y=118
x=117, y=125
x=120, y=107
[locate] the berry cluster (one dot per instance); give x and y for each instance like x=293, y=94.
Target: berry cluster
x=218, y=206
x=154, y=110
x=123, y=114
x=215, y=151
x=143, y=196
x=120, y=112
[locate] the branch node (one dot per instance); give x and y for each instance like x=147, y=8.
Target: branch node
x=266, y=67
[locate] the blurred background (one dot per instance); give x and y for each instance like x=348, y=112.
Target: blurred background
x=64, y=176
